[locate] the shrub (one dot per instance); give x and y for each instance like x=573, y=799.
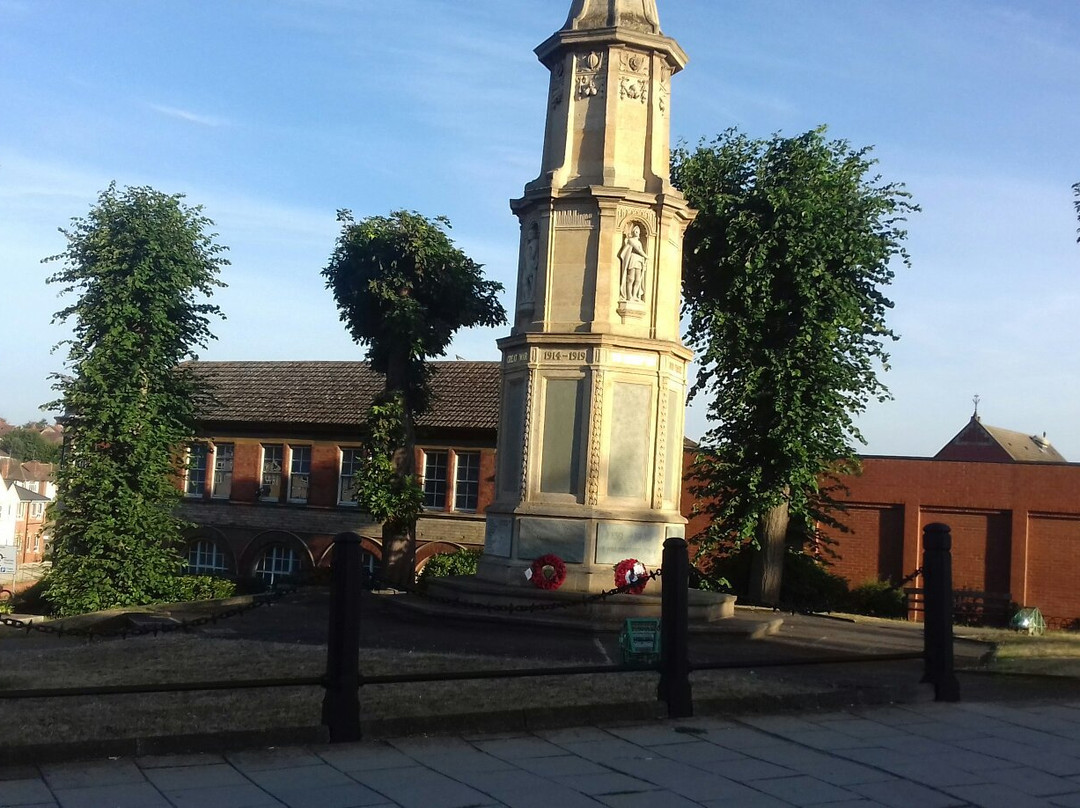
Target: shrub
x=184, y=588
x=809, y=587
x=877, y=599
x=460, y=562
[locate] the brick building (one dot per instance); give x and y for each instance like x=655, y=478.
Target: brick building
x=269, y=482
x=1011, y=500
x=268, y=485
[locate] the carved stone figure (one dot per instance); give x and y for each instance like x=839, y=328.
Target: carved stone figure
x=633, y=258
x=532, y=264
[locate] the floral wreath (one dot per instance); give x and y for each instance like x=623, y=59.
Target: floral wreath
x=631, y=571
x=547, y=572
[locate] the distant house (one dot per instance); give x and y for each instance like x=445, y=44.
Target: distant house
x=26, y=489
x=53, y=433
x=269, y=482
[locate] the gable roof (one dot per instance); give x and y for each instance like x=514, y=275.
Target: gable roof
x=465, y=394
x=979, y=441
x=12, y=469
x=26, y=495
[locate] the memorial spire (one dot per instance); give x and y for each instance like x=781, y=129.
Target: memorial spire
x=594, y=370
x=637, y=15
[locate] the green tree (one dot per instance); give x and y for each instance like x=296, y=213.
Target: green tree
x=783, y=275
x=143, y=265
x=24, y=443
x=403, y=289
x=1076, y=204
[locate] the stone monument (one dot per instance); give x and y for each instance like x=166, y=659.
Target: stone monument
x=590, y=453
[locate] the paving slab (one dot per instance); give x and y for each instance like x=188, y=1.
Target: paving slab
x=932, y=756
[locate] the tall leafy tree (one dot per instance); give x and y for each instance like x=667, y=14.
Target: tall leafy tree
x=784, y=269
x=142, y=265
x=403, y=289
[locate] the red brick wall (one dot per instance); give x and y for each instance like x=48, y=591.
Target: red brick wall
x=1015, y=526
x=325, y=466
x=873, y=549
x=1053, y=561
x=487, y=480
x=981, y=544
x=239, y=523
x=247, y=472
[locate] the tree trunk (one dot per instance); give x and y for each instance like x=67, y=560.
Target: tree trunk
x=399, y=538
x=399, y=554
x=767, y=569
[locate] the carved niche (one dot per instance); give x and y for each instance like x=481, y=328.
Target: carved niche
x=530, y=266
x=634, y=255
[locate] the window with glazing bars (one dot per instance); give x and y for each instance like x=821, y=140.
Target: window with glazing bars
x=195, y=478
x=467, y=481
x=435, y=477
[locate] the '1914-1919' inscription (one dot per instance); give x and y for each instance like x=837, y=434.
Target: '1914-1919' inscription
x=564, y=356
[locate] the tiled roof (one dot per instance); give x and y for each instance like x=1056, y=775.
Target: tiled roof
x=979, y=441
x=12, y=469
x=466, y=394
x=26, y=495
x=1023, y=447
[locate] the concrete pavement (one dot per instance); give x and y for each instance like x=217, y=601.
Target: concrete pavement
x=926, y=755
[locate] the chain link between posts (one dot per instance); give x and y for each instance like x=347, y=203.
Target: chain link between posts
x=90, y=632
x=909, y=578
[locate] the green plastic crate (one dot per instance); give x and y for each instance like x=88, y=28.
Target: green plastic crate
x=639, y=641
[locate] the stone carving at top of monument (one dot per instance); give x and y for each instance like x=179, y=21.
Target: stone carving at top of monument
x=633, y=262
x=637, y=15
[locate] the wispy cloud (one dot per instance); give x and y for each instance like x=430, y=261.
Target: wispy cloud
x=187, y=115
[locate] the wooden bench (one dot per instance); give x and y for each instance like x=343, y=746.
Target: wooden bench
x=971, y=607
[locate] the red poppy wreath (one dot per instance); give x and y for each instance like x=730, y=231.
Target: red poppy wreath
x=547, y=572
x=631, y=571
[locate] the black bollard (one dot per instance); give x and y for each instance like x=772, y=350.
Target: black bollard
x=674, y=687
x=341, y=704
x=938, y=612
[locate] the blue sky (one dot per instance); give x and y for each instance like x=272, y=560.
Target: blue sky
x=272, y=114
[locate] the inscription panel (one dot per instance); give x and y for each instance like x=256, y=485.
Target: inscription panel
x=561, y=458
x=573, y=356
x=563, y=537
x=634, y=360
x=618, y=540
x=631, y=417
